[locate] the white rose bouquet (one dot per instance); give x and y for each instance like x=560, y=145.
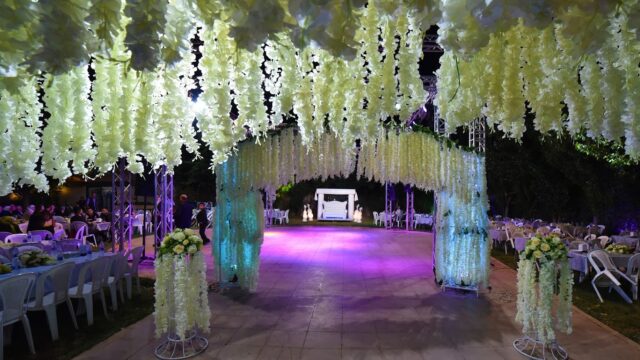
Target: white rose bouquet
x=181, y=242
x=543, y=249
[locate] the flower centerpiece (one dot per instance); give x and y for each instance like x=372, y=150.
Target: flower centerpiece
x=5, y=269
x=543, y=268
x=181, y=299
x=618, y=249
x=33, y=258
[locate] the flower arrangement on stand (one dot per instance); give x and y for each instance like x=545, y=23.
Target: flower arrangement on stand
x=181, y=301
x=543, y=273
x=618, y=249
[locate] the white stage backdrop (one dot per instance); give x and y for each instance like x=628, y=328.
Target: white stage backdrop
x=336, y=210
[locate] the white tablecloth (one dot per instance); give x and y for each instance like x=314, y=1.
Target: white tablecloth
x=631, y=242
x=579, y=261
x=498, y=235
x=520, y=243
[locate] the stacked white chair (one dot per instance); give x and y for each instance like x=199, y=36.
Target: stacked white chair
x=607, y=274
x=376, y=218
x=14, y=292
x=47, y=299
x=87, y=287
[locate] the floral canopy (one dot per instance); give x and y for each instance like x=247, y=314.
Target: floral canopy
x=115, y=74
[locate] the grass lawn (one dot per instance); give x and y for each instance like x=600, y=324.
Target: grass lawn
x=72, y=342
x=614, y=312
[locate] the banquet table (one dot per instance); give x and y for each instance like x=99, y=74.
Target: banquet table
x=498, y=235
x=631, y=242
x=520, y=243
x=579, y=261
x=78, y=260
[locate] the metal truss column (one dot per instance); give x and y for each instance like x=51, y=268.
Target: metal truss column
x=388, y=206
x=163, y=206
x=122, y=206
x=410, y=209
x=477, y=135
x=434, y=230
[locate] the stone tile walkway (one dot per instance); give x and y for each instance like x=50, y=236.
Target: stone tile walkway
x=358, y=293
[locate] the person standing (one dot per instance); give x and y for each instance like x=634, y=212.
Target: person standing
x=203, y=223
x=92, y=202
x=183, y=213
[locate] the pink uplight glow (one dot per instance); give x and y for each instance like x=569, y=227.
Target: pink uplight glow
x=347, y=250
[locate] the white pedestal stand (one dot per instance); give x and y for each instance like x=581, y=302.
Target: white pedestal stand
x=173, y=348
x=535, y=349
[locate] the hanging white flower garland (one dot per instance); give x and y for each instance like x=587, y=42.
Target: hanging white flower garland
x=66, y=140
x=20, y=143
x=599, y=88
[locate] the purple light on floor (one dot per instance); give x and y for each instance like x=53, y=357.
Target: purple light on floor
x=348, y=250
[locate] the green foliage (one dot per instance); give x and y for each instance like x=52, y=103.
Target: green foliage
x=610, y=151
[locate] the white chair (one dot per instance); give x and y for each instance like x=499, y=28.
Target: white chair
x=284, y=217
x=593, y=242
x=86, y=288
x=543, y=230
x=115, y=277
x=376, y=218
x=90, y=239
x=59, y=219
x=604, y=241
x=81, y=232
x=43, y=234
x=13, y=295
x=210, y=214
x=194, y=217
x=509, y=231
x=576, y=244
x=79, y=229
x=4, y=234
x=59, y=277
x=69, y=245
x=607, y=274
x=633, y=272
x=27, y=247
x=138, y=223
x=16, y=238
x=132, y=270
x=59, y=235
